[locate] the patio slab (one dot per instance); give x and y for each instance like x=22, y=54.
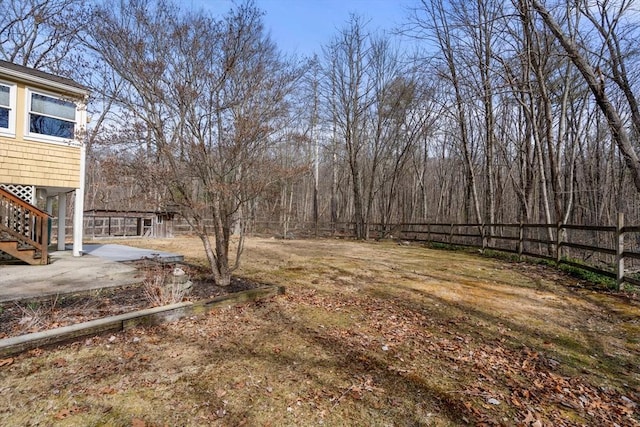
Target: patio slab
x=121, y=253
x=98, y=268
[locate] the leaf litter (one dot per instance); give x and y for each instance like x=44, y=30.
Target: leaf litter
x=372, y=351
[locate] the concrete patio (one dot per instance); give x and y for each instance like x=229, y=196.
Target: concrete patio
x=100, y=267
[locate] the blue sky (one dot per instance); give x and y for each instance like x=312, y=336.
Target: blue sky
x=303, y=26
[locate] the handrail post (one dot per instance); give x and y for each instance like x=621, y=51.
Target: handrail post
x=44, y=235
x=620, y=252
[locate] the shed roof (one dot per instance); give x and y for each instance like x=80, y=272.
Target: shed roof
x=129, y=213
x=32, y=75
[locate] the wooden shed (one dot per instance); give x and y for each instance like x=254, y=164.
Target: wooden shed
x=107, y=223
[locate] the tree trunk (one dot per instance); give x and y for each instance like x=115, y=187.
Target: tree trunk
x=616, y=125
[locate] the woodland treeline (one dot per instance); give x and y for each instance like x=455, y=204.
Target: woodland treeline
x=483, y=111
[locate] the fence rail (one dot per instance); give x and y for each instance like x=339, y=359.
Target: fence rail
x=612, y=251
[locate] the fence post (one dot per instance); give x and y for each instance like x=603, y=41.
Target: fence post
x=620, y=251
x=520, y=240
x=428, y=232
x=483, y=236
x=451, y=234
x=558, y=243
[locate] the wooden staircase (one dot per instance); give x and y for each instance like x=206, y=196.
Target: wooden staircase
x=24, y=230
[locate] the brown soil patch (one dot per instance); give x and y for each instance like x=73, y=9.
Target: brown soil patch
x=34, y=315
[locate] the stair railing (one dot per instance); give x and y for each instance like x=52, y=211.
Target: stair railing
x=24, y=222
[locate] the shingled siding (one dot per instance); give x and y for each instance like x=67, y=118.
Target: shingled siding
x=39, y=163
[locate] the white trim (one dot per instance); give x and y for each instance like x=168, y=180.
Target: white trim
x=28, y=135
x=11, y=130
x=42, y=81
x=78, y=208
x=81, y=122
x=53, y=140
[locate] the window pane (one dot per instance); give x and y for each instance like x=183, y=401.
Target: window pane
x=50, y=126
x=4, y=118
x=53, y=106
x=4, y=95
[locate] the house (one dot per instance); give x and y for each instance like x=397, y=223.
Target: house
x=42, y=160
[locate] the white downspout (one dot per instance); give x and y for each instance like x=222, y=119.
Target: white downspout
x=78, y=211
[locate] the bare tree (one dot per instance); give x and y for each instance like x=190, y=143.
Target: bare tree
x=207, y=97
x=516, y=136
x=42, y=34
x=606, y=23
x=349, y=90
x=431, y=21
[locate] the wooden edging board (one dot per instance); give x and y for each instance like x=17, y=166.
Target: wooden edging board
x=121, y=322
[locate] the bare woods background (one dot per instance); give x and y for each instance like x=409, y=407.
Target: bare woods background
x=484, y=112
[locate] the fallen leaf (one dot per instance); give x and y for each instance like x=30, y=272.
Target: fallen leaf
x=66, y=412
x=108, y=390
x=59, y=363
x=6, y=362
x=35, y=352
x=62, y=414
x=137, y=422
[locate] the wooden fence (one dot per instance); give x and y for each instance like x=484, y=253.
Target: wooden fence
x=612, y=251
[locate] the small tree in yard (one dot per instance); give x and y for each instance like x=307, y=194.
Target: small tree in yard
x=206, y=99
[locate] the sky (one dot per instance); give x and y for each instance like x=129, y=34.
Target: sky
x=302, y=27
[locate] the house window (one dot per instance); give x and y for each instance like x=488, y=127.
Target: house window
x=7, y=109
x=51, y=116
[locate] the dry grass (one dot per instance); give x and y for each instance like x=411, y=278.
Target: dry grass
x=367, y=334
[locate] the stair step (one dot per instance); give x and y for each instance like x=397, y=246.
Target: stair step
x=23, y=233
x=27, y=255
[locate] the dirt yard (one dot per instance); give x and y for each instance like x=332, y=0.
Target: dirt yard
x=374, y=334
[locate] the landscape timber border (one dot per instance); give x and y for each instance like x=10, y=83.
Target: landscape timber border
x=122, y=322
